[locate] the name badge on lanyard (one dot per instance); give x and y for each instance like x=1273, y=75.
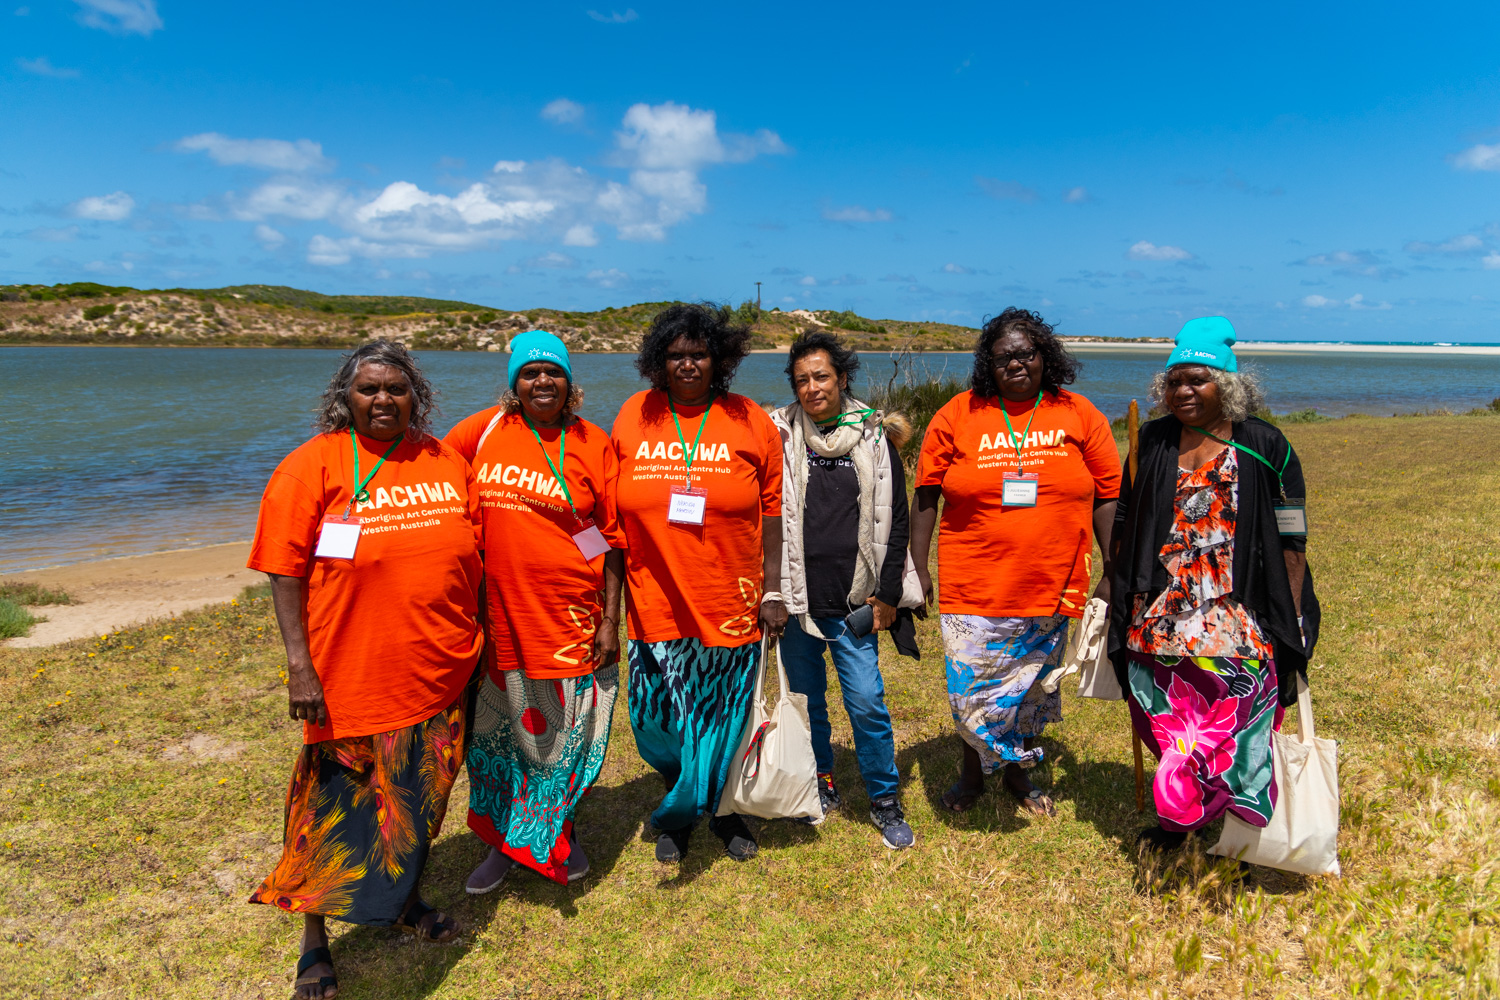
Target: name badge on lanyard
x=1018, y=489
x=590, y=540
x=338, y=538
x=688, y=505
x=1291, y=518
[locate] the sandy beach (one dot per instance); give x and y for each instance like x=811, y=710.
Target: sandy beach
x=115, y=593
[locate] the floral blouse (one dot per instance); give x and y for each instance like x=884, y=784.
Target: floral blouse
x=1194, y=615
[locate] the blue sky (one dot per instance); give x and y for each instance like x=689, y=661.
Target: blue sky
x=1310, y=171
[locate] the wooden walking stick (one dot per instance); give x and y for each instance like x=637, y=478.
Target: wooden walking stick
x=1133, y=435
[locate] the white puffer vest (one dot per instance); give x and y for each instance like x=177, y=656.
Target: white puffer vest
x=793, y=564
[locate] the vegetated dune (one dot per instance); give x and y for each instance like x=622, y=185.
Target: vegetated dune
x=276, y=316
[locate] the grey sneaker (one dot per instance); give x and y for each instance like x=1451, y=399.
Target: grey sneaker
x=886, y=814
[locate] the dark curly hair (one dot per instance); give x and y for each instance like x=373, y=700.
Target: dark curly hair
x=845, y=360
x=705, y=323
x=333, y=410
x=1059, y=368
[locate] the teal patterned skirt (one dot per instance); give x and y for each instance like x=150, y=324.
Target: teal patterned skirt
x=536, y=749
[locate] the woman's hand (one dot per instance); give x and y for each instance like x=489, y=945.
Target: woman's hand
x=885, y=615
x=607, y=644
x=773, y=619
x=304, y=692
x=1102, y=591
x=925, y=579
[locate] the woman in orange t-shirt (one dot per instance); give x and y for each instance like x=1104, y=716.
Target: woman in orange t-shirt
x=700, y=505
x=369, y=534
x=552, y=572
x=1029, y=474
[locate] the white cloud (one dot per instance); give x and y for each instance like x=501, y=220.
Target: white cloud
x=612, y=278
x=1077, y=196
x=1491, y=261
x=1467, y=245
x=120, y=17
x=42, y=66
x=1006, y=190
x=562, y=111
x=1143, y=250
x=615, y=17
x=1480, y=157
x=663, y=147
x=1355, y=264
x=856, y=213
x=104, y=207
x=1355, y=302
x=957, y=269
x=298, y=157
x=268, y=237
x=64, y=234
x=808, y=280
x=551, y=259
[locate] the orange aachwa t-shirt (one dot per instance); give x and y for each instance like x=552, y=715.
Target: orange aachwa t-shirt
x=544, y=600
x=689, y=581
x=394, y=632
x=1017, y=561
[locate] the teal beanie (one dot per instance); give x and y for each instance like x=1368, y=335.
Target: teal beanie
x=1207, y=341
x=537, y=345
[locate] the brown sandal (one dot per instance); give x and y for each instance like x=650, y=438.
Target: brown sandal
x=956, y=800
x=442, y=929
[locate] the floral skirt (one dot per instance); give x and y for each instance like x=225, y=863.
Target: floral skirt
x=688, y=706
x=1208, y=720
x=993, y=665
x=361, y=813
x=537, y=748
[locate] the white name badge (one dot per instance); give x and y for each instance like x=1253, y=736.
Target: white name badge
x=338, y=538
x=1018, y=489
x=1291, y=519
x=688, y=505
x=590, y=541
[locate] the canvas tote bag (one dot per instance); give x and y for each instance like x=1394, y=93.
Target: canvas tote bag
x=1304, y=829
x=773, y=774
x=1088, y=656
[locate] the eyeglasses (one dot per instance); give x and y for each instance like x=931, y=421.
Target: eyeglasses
x=1025, y=357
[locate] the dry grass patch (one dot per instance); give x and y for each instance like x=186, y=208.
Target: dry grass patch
x=142, y=777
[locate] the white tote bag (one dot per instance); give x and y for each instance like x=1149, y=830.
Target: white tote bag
x=1304, y=830
x=1088, y=656
x=773, y=774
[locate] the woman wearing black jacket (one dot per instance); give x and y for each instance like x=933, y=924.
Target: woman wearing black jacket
x=1214, y=615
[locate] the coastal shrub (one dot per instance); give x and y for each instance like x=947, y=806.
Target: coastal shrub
x=919, y=401
x=1300, y=417
x=1495, y=404
x=15, y=621
x=32, y=594
x=850, y=320
x=98, y=312
x=747, y=314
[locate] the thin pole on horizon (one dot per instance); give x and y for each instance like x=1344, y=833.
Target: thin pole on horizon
x=757, y=302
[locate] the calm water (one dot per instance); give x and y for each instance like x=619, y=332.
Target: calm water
x=119, y=451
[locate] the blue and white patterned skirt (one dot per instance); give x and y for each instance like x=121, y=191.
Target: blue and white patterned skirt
x=993, y=666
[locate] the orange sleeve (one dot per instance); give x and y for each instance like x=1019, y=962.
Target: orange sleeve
x=937, y=447
x=770, y=470
x=465, y=435
x=475, y=514
x=606, y=502
x=1102, y=457
x=287, y=527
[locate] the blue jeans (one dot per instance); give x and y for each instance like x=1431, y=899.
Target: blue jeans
x=858, y=664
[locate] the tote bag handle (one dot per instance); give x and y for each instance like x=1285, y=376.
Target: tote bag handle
x=1305, y=732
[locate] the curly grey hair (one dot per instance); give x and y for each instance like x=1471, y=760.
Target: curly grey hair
x=333, y=411
x=1240, y=393
x=511, y=403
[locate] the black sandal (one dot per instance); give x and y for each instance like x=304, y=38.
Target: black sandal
x=310, y=958
x=956, y=800
x=440, y=931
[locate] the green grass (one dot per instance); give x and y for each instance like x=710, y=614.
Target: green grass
x=142, y=777
x=15, y=620
x=32, y=594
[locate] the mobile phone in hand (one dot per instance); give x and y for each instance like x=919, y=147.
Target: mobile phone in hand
x=861, y=622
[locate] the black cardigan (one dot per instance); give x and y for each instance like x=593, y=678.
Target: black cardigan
x=1143, y=521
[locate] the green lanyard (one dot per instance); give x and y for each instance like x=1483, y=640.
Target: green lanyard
x=688, y=456
x=849, y=418
x=562, y=459
x=362, y=495
x=1019, y=444
x=1280, y=486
